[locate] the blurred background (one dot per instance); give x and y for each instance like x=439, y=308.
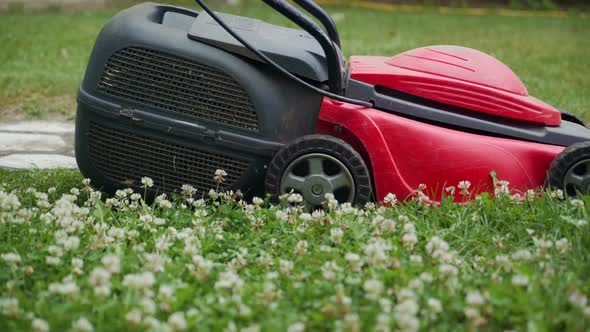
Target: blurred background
x=45, y=44
x=13, y=5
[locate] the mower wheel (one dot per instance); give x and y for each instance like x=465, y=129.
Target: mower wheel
x=315, y=165
x=571, y=117
x=570, y=171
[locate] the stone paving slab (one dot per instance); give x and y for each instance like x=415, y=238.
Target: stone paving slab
x=41, y=161
x=40, y=127
x=17, y=142
x=37, y=144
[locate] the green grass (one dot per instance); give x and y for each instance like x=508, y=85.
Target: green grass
x=42, y=60
x=509, y=267
x=44, y=55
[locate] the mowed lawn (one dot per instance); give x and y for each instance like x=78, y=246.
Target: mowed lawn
x=43, y=56
x=71, y=260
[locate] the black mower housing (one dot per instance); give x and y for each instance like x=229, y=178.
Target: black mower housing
x=157, y=100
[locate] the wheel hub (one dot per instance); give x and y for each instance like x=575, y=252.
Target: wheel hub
x=314, y=189
x=317, y=189
x=321, y=174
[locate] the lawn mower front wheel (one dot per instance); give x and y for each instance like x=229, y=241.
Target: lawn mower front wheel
x=315, y=165
x=570, y=171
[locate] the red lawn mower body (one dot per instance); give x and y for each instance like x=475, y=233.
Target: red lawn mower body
x=174, y=94
x=404, y=153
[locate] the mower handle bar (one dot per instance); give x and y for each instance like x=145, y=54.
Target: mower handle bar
x=335, y=80
x=319, y=13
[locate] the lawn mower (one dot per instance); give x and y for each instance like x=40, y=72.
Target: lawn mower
x=174, y=94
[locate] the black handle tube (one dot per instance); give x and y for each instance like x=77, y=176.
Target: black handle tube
x=335, y=80
x=319, y=13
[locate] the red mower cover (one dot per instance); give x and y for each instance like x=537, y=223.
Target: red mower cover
x=457, y=76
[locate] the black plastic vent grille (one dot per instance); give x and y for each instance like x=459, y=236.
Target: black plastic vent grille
x=125, y=157
x=178, y=85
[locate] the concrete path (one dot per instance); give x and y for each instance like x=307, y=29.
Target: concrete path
x=37, y=144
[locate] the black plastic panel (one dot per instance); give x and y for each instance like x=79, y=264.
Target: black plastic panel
x=125, y=157
x=176, y=84
x=295, y=50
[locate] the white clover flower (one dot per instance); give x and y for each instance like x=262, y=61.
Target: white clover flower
x=257, y=201
x=426, y=277
x=11, y=258
x=474, y=316
x=285, y=266
x=82, y=325
x=282, y=215
x=543, y=247
x=450, y=190
x=329, y=270
x=71, y=243
x=202, y=267
x=409, y=240
x=301, y=248
x=219, y=176
x=229, y=280
x=562, y=245
x=54, y=261
x=188, y=190
x=354, y=261
x=390, y=199
x=111, y=263
x=557, y=194
x=133, y=317
x=139, y=280
x=67, y=287
x=295, y=198
x=373, y=289
x=100, y=279
x=382, y=324
x=464, y=185
x=448, y=271
x=77, y=265
x=578, y=299
x=39, y=325
x=265, y=260
x=416, y=259
x=318, y=214
x=9, y=202
x=177, y=321
x=147, y=182
x=336, y=235
x=352, y=322
x=474, y=299
x=376, y=253
x=522, y=255
x=434, y=305
x=405, y=312
x=9, y=306
x=154, y=262
x=151, y=323
x=520, y=280
x=147, y=305
x=387, y=225
x=55, y=251
x=296, y=327
x=577, y=203
x=330, y=201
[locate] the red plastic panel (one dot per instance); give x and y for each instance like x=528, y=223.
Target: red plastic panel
x=405, y=153
x=456, y=76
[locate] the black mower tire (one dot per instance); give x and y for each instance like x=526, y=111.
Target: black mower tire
x=326, y=145
x=564, y=163
x=571, y=117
